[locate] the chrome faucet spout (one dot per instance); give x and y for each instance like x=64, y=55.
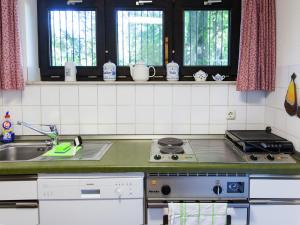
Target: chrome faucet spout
x=52, y=134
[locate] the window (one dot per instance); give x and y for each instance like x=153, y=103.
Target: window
x=71, y=33
x=195, y=35
x=139, y=33
x=207, y=37
x=140, y=37
x=72, y=37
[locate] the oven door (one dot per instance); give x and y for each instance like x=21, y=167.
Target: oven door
x=157, y=213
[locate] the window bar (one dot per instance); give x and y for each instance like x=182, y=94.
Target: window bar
x=53, y=44
x=147, y=36
x=222, y=35
x=142, y=58
x=85, y=38
x=216, y=39
x=92, y=41
x=73, y=36
x=128, y=13
x=190, y=23
x=67, y=55
x=123, y=38
x=197, y=25
x=153, y=35
x=135, y=42
x=209, y=28
x=60, y=38
x=204, y=39
x=79, y=42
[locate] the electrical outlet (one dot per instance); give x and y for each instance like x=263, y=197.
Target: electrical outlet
x=231, y=115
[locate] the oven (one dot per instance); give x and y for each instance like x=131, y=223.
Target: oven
x=162, y=189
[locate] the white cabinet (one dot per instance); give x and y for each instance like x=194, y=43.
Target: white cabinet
x=18, y=202
x=275, y=200
x=274, y=215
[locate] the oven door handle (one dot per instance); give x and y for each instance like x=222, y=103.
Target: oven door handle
x=159, y=205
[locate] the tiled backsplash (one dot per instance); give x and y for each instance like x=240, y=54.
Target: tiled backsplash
x=276, y=116
x=135, y=109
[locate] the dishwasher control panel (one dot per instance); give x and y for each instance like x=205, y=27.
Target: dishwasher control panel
x=90, y=188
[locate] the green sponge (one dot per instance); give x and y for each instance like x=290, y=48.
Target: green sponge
x=62, y=148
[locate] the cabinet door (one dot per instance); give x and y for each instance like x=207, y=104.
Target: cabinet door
x=15, y=216
x=274, y=214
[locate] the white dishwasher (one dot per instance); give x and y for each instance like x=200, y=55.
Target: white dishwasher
x=91, y=199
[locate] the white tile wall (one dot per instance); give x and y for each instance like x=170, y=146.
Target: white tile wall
x=275, y=114
x=137, y=109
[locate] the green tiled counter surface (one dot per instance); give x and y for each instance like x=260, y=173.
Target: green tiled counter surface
x=133, y=156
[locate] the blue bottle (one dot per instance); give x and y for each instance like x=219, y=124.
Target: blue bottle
x=8, y=134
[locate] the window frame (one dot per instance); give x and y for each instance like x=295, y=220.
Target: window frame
x=234, y=37
x=123, y=72
x=56, y=73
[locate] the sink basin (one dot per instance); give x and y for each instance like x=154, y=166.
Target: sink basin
x=22, y=151
x=33, y=151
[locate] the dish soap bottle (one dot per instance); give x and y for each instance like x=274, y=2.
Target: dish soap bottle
x=8, y=134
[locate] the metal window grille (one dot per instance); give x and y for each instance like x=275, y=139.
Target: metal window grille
x=206, y=38
x=140, y=37
x=72, y=37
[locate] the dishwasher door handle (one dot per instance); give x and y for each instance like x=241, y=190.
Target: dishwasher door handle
x=19, y=205
x=90, y=193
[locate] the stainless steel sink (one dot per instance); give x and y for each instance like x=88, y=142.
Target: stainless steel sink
x=34, y=151
x=22, y=151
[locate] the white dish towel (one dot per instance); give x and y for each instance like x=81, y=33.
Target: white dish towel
x=197, y=213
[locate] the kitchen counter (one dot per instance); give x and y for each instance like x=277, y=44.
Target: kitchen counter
x=133, y=156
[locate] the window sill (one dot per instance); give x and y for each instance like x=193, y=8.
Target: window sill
x=130, y=83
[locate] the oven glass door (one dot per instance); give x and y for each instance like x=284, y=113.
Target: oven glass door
x=157, y=214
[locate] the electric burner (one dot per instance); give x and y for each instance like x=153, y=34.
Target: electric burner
x=170, y=142
x=171, y=150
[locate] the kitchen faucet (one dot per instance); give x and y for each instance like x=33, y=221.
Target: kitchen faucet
x=53, y=133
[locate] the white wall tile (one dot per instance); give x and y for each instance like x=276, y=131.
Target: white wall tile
x=12, y=98
x=107, y=95
x=255, y=114
x=126, y=95
x=27, y=131
x=163, y=115
x=31, y=96
x=200, y=115
x=144, y=114
x=218, y=114
x=282, y=76
x=163, y=95
x=144, y=129
x=50, y=95
x=199, y=129
x=88, y=129
x=256, y=98
x=217, y=128
x=292, y=125
x=270, y=116
x=219, y=95
x=200, y=95
x=280, y=121
x=50, y=115
x=162, y=128
x=32, y=114
x=69, y=95
x=144, y=95
x=126, y=129
x=182, y=95
x=258, y=126
x=236, y=126
x=107, y=114
x=181, y=129
x=181, y=115
x=107, y=129
x=69, y=129
x=88, y=95
x=1, y=98
x=88, y=114
x=125, y=114
x=236, y=97
x=69, y=115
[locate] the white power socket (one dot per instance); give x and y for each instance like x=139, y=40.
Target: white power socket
x=231, y=115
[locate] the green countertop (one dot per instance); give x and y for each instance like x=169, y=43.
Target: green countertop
x=133, y=156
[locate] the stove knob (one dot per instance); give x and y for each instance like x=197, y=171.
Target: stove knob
x=253, y=157
x=270, y=157
x=157, y=157
x=217, y=189
x=165, y=190
x=175, y=157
